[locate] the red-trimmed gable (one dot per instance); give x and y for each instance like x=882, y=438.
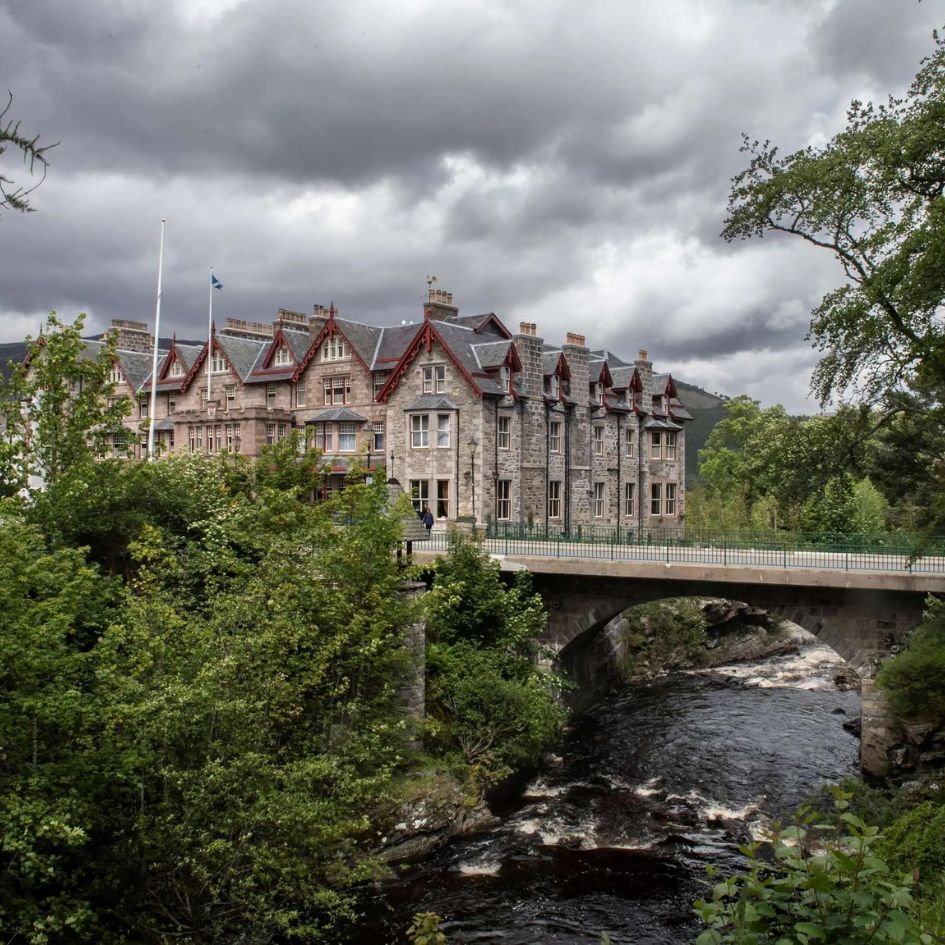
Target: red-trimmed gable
x=427, y=336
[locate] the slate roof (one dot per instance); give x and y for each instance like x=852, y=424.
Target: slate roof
x=336, y=415
x=657, y=424
x=393, y=343
x=431, y=402
x=595, y=368
x=297, y=342
x=137, y=367
x=242, y=353
x=363, y=338
x=549, y=360
x=492, y=354
x=461, y=343
x=621, y=376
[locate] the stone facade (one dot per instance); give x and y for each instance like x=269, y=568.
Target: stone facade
x=475, y=422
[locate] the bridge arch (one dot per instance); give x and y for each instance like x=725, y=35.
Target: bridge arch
x=859, y=623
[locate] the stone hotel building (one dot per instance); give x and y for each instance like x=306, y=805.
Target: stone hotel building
x=473, y=420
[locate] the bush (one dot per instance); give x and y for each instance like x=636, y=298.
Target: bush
x=914, y=680
x=823, y=883
x=916, y=840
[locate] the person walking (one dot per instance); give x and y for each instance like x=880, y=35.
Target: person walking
x=427, y=518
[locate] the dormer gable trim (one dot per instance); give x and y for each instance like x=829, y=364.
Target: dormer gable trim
x=278, y=341
x=328, y=330
x=493, y=321
x=426, y=337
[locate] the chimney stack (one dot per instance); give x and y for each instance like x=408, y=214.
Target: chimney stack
x=132, y=336
x=644, y=355
x=527, y=328
x=439, y=305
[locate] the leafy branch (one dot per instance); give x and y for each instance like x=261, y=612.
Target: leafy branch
x=12, y=196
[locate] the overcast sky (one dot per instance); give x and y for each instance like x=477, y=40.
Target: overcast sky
x=554, y=161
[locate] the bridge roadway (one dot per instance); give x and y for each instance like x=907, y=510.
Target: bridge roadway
x=773, y=567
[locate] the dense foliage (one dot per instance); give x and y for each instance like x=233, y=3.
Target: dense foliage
x=914, y=680
x=202, y=716
x=487, y=699
x=821, y=881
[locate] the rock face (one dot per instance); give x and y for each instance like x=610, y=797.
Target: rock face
x=436, y=810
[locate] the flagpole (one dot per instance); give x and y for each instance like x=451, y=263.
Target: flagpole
x=152, y=408
x=210, y=337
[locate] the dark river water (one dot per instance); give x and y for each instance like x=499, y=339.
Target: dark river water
x=652, y=786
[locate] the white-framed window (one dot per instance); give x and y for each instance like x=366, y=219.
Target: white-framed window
x=670, y=498
x=228, y=430
x=192, y=438
x=419, y=431
x=335, y=349
x=171, y=404
x=555, y=386
x=419, y=493
x=323, y=437
x=229, y=397
x=597, y=393
x=554, y=499
x=209, y=439
x=270, y=434
x=203, y=396
x=628, y=497
x=504, y=433
x=379, y=381
x=199, y=439
x=377, y=436
x=283, y=356
x=656, y=498
x=337, y=390
x=176, y=369
x=270, y=396
x=143, y=411
x=283, y=431
x=114, y=375
x=347, y=437
x=442, y=430
x=119, y=443
x=630, y=441
x=505, y=378
x=503, y=499
x=656, y=445
x=670, y=447
x=598, y=500
x=442, y=498
x=237, y=437
x=218, y=364
x=300, y=393
x=554, y=436
x=434, y=379
x=598, y=441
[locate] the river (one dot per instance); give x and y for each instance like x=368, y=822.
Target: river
x=653, y=784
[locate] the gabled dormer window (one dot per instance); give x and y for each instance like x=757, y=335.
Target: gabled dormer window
x=282, y=356
x=554, y=386
x=115, y=375
x=505, y=378
x=218, y=364
x=176, y=369
x=597, y=393
x=335, y=349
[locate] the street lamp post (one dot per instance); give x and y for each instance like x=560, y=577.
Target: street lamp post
x=472, y=444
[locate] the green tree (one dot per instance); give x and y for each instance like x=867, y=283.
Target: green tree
x=58, y=418
x=487, y=697
x=873, y=197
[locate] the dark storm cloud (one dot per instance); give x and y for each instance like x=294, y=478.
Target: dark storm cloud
x=550, y=162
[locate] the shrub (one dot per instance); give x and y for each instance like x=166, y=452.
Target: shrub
x=823, y=883
x=914, y=680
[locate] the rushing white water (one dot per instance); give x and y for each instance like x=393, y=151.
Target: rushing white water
x=652, y=786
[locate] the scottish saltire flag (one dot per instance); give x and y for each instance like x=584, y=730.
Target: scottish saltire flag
x=215, y=283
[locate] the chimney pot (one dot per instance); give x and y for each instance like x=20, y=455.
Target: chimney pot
x=644, y=354
x=575, y=339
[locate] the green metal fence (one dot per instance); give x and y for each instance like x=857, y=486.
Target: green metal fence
x=892, y=552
